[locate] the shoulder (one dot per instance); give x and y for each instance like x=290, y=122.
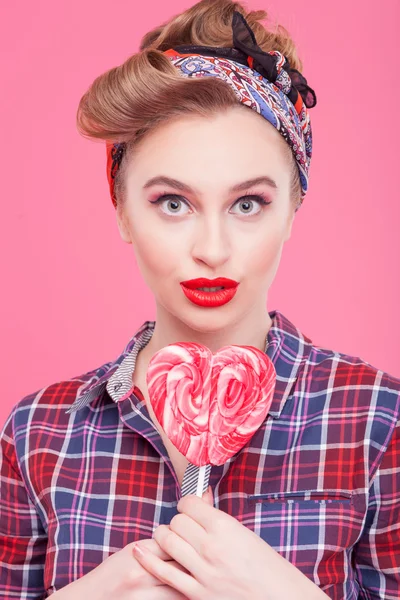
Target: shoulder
x=360, y=401
x=45, y=405
x=49, y=405
x=350, y=372
x=326, y=369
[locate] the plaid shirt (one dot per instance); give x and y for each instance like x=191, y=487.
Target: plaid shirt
x=84, y=472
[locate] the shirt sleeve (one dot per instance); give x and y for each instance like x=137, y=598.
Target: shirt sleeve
x=23, y=540
x=377, y=553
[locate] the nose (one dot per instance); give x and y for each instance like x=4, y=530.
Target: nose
x=211, y=245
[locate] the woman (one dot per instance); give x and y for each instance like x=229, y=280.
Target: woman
x=206, y=192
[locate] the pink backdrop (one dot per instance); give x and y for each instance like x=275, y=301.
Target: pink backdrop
x=71, y=295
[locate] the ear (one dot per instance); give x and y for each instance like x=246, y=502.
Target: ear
x=123, y=226
x=289, y=225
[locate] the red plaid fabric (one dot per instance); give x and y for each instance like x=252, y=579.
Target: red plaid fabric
x=84, y=472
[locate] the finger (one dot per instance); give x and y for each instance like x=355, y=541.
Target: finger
x=165, y=572
x=200, y=511
x=177, y=565
x=180, y=550
x=164, y=592
x=208, y=496
x=151, y=580
x=152, y=545
x=190, y=531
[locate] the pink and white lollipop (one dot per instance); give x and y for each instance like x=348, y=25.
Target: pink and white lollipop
x=210, y=405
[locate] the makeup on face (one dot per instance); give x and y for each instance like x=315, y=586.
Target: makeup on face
x=253, y=199
x=209, y=293
x=192, y=213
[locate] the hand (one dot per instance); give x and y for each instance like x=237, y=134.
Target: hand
x=121, y=577
x=222, y=558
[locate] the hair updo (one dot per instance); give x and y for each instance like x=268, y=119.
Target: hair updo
x=129, y=100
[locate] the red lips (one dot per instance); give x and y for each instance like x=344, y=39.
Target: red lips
x=209, y=299
x=193, y=284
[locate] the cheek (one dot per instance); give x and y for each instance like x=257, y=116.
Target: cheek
x=154, y=252
x=261, y=252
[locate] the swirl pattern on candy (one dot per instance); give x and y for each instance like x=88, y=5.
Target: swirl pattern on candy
x=210, y=405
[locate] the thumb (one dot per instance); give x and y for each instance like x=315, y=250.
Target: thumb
x=208, y=496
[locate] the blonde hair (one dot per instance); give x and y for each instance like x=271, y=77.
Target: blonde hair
x=127, y=101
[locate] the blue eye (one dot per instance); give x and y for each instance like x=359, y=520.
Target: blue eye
x=173, y=202
x=249, y=203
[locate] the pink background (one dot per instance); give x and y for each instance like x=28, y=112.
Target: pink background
x=71, y=295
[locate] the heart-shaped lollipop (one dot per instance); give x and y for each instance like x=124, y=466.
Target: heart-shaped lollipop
x=210, y=405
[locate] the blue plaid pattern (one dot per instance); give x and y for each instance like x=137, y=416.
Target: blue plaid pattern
x=84, y=472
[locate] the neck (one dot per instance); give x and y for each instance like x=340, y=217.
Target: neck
x=251, y=330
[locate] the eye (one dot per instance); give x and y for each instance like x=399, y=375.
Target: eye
x=171, y=204
x=251, y=205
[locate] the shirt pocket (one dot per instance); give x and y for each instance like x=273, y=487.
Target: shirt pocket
x=308, y=496
x=313, y=529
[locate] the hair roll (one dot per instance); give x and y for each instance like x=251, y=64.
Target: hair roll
x=127, y=101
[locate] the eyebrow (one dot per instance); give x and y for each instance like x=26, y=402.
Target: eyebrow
x=162, y=179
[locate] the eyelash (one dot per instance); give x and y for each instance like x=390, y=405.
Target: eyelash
x=259, y=198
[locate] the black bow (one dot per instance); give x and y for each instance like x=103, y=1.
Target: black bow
x=245, y=45
x=244, y=39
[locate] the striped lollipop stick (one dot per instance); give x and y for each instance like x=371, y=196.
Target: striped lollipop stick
x=195, y=480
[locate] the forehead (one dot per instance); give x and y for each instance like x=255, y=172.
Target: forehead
x=233, y=145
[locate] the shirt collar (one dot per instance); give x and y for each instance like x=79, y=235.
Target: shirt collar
x=286, y=346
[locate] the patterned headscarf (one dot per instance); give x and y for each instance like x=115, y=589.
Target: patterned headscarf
x=264, y=81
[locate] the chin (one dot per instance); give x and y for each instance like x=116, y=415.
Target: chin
x=207, y=320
